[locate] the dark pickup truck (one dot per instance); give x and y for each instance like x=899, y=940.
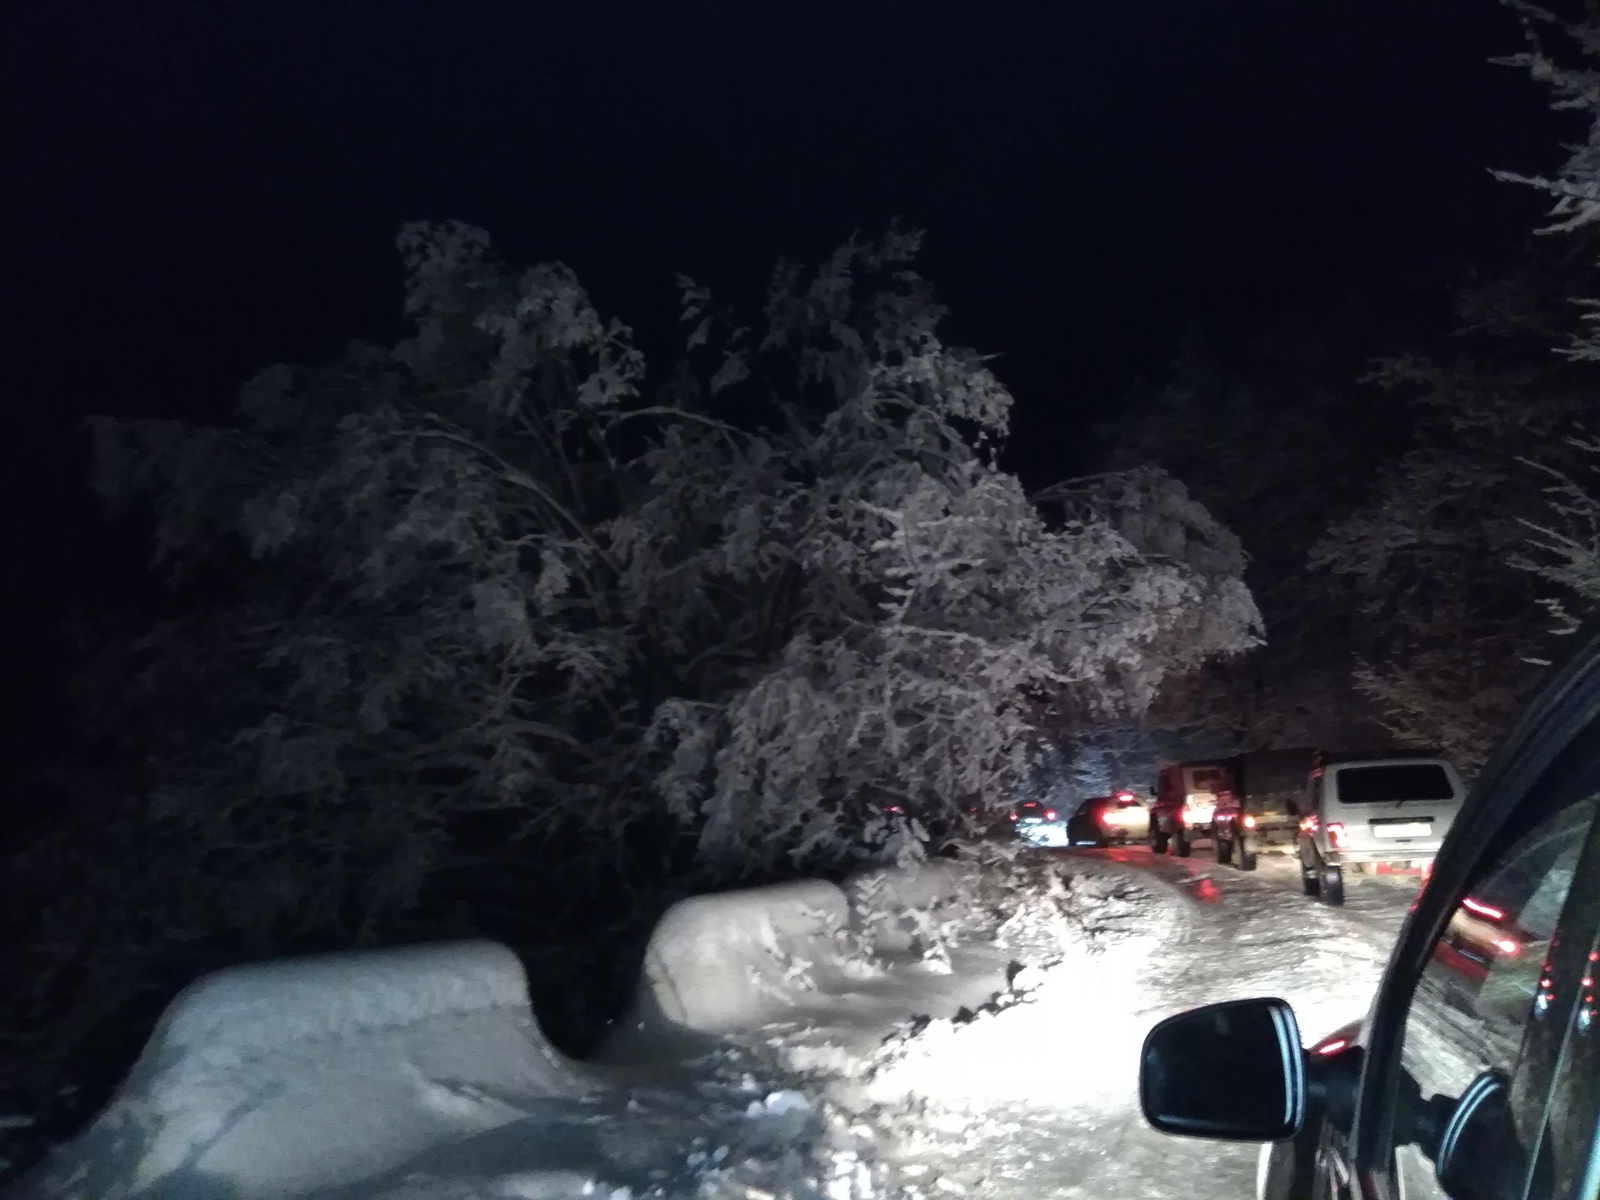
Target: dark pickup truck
x=1262, y=808
x=1241, y=803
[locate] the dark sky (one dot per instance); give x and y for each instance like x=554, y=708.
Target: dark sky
x=192, y=190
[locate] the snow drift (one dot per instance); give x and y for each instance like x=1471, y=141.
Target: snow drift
x=291, y=1077
x=725, y=963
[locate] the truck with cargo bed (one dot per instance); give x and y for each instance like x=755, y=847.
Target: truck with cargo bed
x=1242, y=804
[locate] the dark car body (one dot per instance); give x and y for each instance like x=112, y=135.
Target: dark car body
x=1108, y=821
x=1259, y=807
x=1039, y=824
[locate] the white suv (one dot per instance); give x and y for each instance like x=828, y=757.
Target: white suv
x=1369, y=812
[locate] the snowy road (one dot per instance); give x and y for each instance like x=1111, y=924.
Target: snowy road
x=1042, y=1103
x=939, y=1033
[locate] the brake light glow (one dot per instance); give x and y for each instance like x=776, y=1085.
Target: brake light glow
x=1013, y=816
x=1482, y=909
x=1308, y=825
x=1334, y=1046
x=1338, y=835
x=1249, y=822
x=1508, y=945
x=1125, y=796
x=1049, y=814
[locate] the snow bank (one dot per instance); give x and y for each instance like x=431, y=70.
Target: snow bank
x=292, y=1077
x=731, y=962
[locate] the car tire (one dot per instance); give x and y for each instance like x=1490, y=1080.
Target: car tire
x=1310, y=881
x=1224, y=848
x=1180, y=844
x=1244, y=855
x=1332, y=884
x=1158, y=843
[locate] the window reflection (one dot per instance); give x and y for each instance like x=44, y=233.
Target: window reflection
x=1488, y=976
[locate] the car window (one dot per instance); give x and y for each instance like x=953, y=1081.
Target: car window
x=1387, y=784
x=1481, y=988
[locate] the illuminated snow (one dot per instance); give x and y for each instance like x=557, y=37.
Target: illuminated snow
x=891, y=1038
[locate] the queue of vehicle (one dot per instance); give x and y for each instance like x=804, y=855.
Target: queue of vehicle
x=1475, y=1074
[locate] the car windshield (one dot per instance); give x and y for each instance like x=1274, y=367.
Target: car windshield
x=1387, y=784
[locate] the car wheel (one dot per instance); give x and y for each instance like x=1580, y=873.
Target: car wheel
x=1158, y=843
x=1246, y=856
x=1180, y=844
x=1310, y=881
x=1332, y=884
x=1224, y=848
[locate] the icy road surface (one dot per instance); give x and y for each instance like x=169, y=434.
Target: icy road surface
x=1043, y=1102
x=943, y=1033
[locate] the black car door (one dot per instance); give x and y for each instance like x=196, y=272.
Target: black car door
x=1479, y=1050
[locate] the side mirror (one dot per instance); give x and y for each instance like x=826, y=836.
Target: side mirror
x=1233, y=1072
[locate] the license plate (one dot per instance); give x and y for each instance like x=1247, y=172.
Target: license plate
x=1402, y=829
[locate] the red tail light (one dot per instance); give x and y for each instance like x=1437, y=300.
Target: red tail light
x=1125, y=796
x=1508, y=946
x=1334, y=1046
x=1049, y=814
x=1338, y=835
x=1249, y=822
x=1013, y=816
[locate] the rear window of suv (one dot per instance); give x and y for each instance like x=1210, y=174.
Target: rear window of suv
x=1384, y=785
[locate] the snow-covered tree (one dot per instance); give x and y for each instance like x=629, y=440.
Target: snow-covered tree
x=1275, y=440
x=1453, y=555
x=478, y=586
x=1452, y=635
x=1565, y=539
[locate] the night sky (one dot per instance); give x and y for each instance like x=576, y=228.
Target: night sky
x=195, y=190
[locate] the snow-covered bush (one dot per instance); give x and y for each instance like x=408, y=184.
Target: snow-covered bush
x=476, y=586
